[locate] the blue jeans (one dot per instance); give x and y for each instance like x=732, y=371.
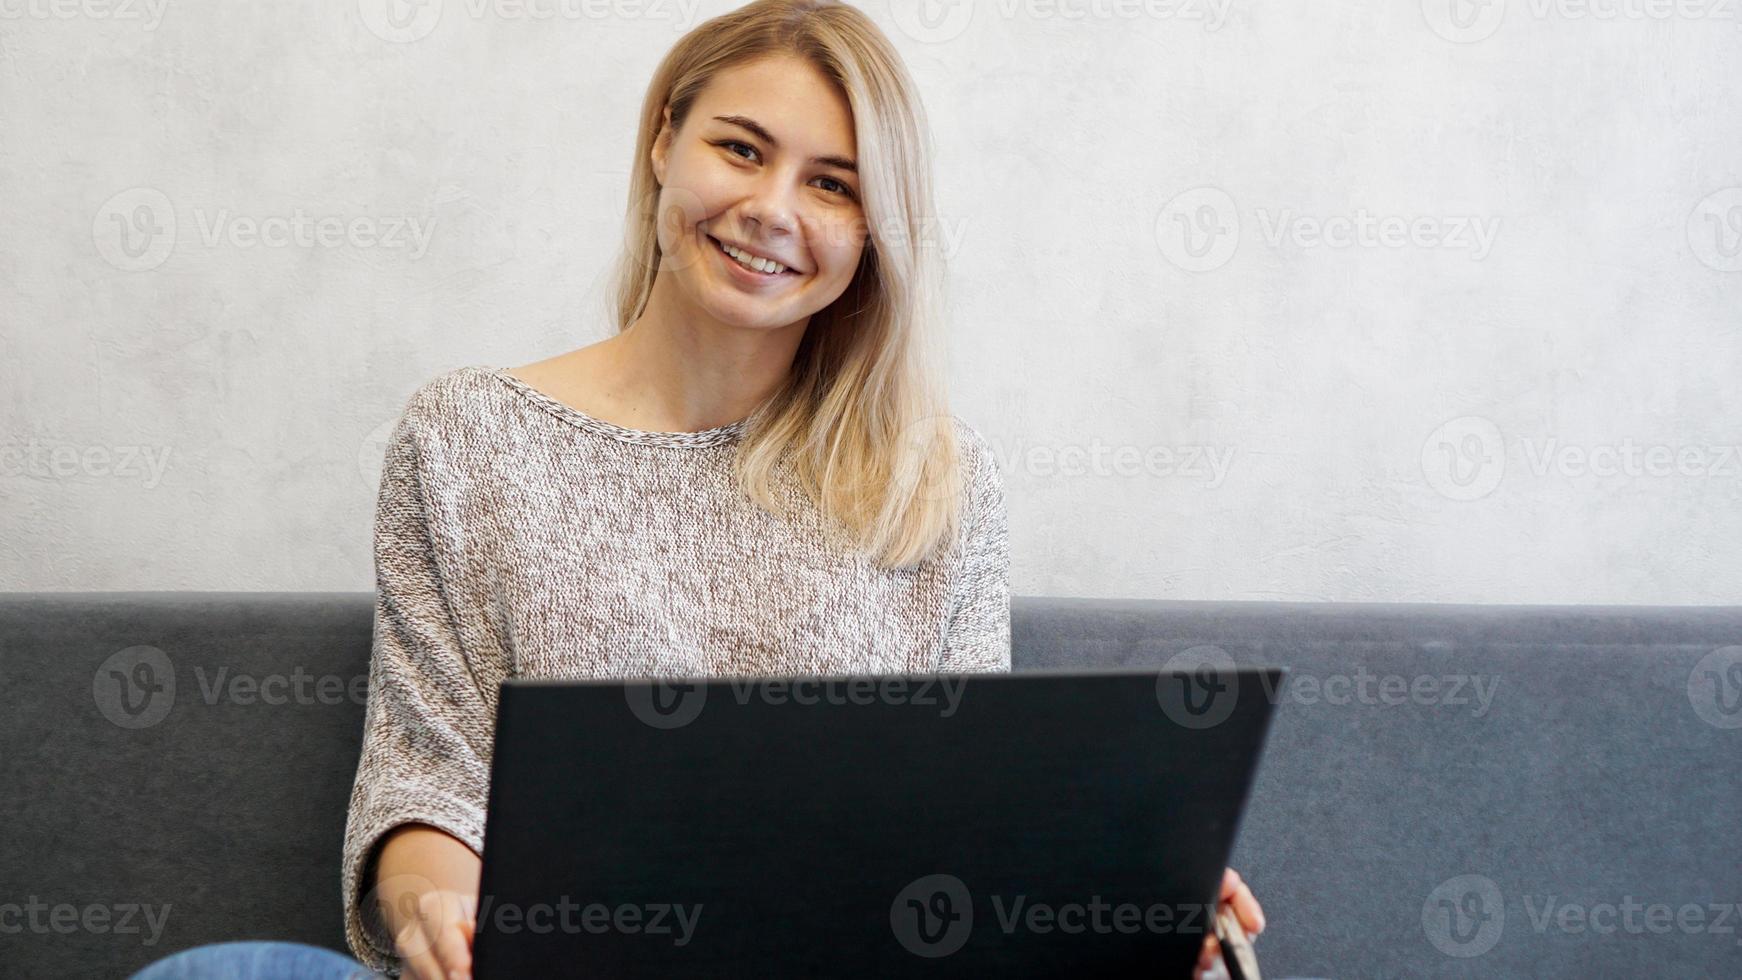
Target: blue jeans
x=256, y=961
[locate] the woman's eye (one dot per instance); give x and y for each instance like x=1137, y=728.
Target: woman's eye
x=728, y=144
x=840, y=187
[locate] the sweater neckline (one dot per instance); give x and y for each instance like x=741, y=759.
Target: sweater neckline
x=640, y=437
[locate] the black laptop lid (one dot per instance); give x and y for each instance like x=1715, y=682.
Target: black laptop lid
x=1026, y=824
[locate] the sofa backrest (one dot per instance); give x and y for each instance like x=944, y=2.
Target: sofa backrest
x=1447, y=790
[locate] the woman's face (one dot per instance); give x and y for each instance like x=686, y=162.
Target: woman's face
x=764, y=163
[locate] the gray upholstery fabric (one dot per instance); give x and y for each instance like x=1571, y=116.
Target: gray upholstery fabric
x=1593, y=786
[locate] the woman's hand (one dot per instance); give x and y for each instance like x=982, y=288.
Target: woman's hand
x=1239, y=897
x=427, y=892
x=434, y=935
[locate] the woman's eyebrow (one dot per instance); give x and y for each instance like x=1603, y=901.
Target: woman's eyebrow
x=755, y=127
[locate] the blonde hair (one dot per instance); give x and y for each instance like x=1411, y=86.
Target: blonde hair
x=862, y=417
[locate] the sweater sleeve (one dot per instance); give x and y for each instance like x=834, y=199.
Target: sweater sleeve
x=431, y=704
x=978, y=636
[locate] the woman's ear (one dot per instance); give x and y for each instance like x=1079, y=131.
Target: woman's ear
x=662, y=146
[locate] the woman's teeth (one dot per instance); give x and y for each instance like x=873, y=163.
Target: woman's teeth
x=749, y=261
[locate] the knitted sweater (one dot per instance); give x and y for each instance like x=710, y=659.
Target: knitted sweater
x=516, y=536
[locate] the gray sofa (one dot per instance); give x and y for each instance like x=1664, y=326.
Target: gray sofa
x=1468, y=791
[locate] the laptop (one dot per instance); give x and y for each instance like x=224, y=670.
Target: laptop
x=1021, y=824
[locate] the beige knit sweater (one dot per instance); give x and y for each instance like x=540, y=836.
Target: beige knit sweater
x=516, y=536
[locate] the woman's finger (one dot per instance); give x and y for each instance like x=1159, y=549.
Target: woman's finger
x=415, y=948
x=1209, y=960
x=452, y=947
x=1251, y=914
x=1245, y=904
x=1211, y=954
x=456, y=958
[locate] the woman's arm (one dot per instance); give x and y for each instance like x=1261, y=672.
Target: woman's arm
x=978, y=635
x=426, y=882
x=429, y=720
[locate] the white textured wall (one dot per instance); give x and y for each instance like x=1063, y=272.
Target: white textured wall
x=1402, y=270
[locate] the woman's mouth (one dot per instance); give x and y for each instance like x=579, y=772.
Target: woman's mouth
x=761, y=269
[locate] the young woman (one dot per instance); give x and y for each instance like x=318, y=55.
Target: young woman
x=757, y=474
